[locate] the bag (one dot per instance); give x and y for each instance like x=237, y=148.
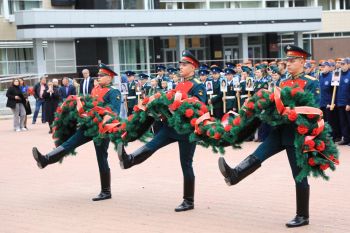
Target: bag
x=28, y=108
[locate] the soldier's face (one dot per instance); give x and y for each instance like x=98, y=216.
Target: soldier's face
x=131, y=78
x=344, y=67
x=203, y=78
x=186, y=69
x=153, y=83
x=229, y=77
x=295, y=65
x=104, y=79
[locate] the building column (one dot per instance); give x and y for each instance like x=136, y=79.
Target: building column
x=337, y=4
x=298, y=39
x=316, y=3
x=286, y=3
x=38, y=53
x=113, y=57
x=148, y=56
x=263, y=3
x=181, y=45
x=6, y=9
x=243, y=46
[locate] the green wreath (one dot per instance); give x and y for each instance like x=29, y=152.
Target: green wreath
x=315, y=150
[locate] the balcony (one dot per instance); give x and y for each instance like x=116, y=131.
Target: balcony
x=56, y=24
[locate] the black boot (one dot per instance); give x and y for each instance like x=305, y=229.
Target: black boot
x=245, y=168
x=105, y=193
x=53, y=157
x=188, y=202
x=126, y=161
x=302, y=217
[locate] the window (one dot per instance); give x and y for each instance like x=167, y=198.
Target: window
x=218, y=5
x=17, y=5
x=60, y=57
x=327, y=4
x=250, y=4
x=344, y=4
x=113, y=4
x=16, y=61
x=274, y=3
x=133, y=4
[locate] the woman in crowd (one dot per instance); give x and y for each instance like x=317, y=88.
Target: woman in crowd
x=51, y=98
x=15, y=101
x=24, y=90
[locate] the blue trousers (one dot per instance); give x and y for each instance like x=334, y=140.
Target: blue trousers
x=344, y=118
x=39, y=103
x=274, y=144
x=167, y=135
x=79, y=139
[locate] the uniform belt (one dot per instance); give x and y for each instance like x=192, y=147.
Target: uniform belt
x=131, y=97
x=214, y=95
x=244, y=96
x=230, y=97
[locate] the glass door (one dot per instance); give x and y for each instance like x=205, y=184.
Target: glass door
x=231, y=53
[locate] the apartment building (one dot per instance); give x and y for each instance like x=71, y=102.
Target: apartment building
x=64, y=36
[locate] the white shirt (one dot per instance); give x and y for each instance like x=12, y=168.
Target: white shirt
x=86, y=86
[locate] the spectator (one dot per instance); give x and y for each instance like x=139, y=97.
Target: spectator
x=66, y=89
x=15, y=101
x=87, y=83
x=39, y=89
x=52, y=98
x=24, y=89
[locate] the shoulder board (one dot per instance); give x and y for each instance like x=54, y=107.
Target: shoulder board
x=310, y=77
x=113, y=87
x=196, y=80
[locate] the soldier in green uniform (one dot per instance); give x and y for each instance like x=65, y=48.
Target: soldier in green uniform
x=132, y=98
x=281, y=138
x=143, y=79
x=231, y=103
x=216, y=99
x=168, y=135
x=103, y=92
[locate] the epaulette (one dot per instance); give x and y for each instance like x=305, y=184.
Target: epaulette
x=310, y=77
x=113, y=87
x=197, y=80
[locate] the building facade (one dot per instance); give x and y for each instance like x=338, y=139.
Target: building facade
x=65, y=36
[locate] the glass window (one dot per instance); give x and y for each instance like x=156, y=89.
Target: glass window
x=230, y=41
x=60, y=57
x=192, y=5
x=19, y=54
x=16, y=5
x=218, y=5
x=134, y=4
x=113, y=4
x=327, y=4
x=16, y=61
x=132, y=55
x=272, y=4
x=250, y=4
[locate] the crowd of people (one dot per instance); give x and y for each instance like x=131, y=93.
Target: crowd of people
x=227, y=89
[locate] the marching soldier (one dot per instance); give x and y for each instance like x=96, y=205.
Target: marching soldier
x=105, y=93
x=174, y=78
x=132, y=98
x=281, y=138
x=168, y=135
x=216, y=99
x=231, y=103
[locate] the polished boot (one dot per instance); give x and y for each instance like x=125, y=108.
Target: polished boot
x=105, y=193
x=126, y=161
x=53, y=157
x=245, y=168
x=302, y=217
x=188, y=202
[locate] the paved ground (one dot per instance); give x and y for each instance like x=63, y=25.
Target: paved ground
x=57, y=199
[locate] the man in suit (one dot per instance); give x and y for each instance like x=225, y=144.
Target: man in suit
x=281, y=138
x=66, y=89
x=87, y=83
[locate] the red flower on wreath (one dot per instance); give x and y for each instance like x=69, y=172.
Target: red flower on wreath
x=302, y=129
x=250, y=105
x=292, y=116
x=324, y=166
x=228, y=128
x=189, y=113
x=296, y=90
x=311, y=162
x=204, y=108
x=71, y=104
x=310, y=144
x=200, y=112
x=217, y=136
x=136, y=108
x=169, y=95
x=272, y=97
x=130, y=117
x=311, y=116
x=95, y=103
x=259, y=94
x=193, y=121
x=175, y=105
x=157, y=95
x=59, y=110
x=321, y=146
x=145, y=100
x=315, y=132
x=249, y=113
x=237, y=121
x=123, y=126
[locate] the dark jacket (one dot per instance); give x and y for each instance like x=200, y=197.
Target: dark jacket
x=51, y=103
x=90, y=86
x=37, y=90
x=11, y=93
x=63, y=94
